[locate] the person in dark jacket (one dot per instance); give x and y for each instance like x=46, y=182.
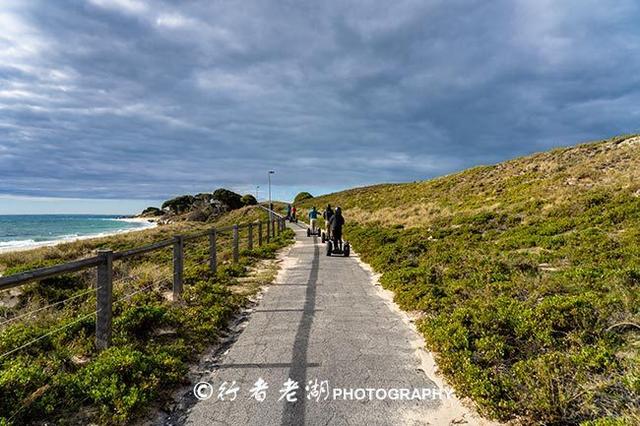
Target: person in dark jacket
x=337, y=221
x=327, y=215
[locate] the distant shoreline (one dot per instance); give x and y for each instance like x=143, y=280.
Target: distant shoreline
x=150, y=222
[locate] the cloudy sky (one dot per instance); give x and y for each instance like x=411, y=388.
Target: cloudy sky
x=143, y=100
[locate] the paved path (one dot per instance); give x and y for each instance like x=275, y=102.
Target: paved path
x=323, y=320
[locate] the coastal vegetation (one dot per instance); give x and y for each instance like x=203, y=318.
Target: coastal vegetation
x=201, y=207
x=61, y=378
x=525, y=277
x=302, y=196
x=228, y=198
x=151, y=212
x=249, y=200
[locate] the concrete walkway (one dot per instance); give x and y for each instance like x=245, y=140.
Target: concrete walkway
x=322, y=320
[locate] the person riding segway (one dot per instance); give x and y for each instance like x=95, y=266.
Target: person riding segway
x=313, y=218
x=327, y=215
x=336, y=245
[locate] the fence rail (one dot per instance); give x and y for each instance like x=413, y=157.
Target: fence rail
x=103, y=263
x=41, y=273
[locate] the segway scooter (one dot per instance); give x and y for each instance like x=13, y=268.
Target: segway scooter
x=311, y=232
x=343, y=248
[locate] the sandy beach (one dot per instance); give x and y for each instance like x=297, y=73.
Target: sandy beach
x=149, y=223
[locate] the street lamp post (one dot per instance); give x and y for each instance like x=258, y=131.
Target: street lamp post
x=270, y=203
x=257, y=188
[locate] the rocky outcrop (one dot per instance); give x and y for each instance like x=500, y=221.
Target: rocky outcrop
x=151, y=212
x=200, y=207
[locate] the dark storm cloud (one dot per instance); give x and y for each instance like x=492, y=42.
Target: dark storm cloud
x=146, y=99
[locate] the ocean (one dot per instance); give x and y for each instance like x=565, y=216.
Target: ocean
x=20, y=231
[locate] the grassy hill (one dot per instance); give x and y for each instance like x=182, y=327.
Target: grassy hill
x=526, y=275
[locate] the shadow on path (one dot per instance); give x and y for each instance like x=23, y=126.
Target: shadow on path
x=293, y=413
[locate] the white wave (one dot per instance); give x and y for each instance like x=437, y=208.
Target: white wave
x=135, y=220
x=67, y=236
x=17, y=243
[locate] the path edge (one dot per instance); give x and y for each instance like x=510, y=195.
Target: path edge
x=454, y=410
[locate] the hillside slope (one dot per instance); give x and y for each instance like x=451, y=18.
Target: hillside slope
x=526, y=275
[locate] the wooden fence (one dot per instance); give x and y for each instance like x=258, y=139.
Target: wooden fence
x=103, y=263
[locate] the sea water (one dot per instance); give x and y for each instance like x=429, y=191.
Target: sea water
x=18, y=231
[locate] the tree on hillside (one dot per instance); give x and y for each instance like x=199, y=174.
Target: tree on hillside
x=302, y=196
x=152, y=211
x=204, y=198
x=229, y=198
x=249, y=200
x=179, y=204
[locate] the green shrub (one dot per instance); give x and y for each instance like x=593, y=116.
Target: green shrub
x=302, y=196
x=179, y=204
x=228, y=198
x=140, y=321
x=152, y=211
x=123, y=380
x=249, y=200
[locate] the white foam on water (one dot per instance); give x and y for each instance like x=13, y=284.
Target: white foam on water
x=19, y=245
x=16, y=243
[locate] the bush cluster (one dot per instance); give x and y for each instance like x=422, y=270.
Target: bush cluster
x=200, y=204
x=249, y=200
x=302, y=196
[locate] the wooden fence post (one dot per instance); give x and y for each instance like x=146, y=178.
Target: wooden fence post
x=273, y=228
x=104, y=299
x=259, y=233
x=268, y=230
x=178, y=266
x=250, y=236
x=236, y=242
x=213, y=260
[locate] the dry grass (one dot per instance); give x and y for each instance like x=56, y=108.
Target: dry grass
x=550, y=177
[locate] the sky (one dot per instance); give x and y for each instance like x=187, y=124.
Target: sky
x=140, y=101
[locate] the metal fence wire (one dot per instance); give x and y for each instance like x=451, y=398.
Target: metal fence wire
x=103, y=262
